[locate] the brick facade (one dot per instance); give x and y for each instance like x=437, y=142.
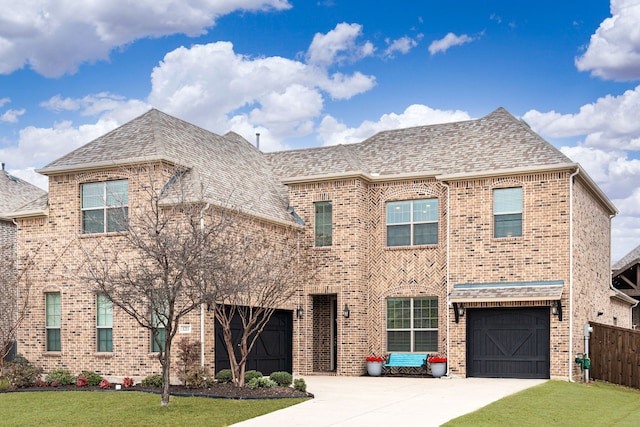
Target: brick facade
x=565, y=238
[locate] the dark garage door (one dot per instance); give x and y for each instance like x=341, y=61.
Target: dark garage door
x=508, y=342
x=273, y=350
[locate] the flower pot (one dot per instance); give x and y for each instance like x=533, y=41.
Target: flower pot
x=438, y=369
x=374, y=369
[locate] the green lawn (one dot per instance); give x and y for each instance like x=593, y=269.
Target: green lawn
x=560, y=403
x=85, y=408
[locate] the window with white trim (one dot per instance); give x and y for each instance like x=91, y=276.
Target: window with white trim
x=323, y=223
x=412, y=222
x=52, y=314
x=412, y=324
x=104, y=324
x=507, y=212
x=105, y=206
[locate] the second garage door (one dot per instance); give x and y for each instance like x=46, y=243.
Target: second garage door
x=508, y=342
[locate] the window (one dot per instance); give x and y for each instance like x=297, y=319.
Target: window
x=52, y=313
x=507, y=212
x=412, y=222
x=323, y=223
x=159, y=325
x=105, y=206
x=412, y=324
x=104, y=324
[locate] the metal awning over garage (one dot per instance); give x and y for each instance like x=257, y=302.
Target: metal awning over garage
x=507, y=291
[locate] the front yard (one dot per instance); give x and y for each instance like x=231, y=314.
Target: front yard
x=559, y=403
x=94, y=408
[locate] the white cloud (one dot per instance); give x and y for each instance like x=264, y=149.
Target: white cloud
x=11, y=116
x=609, y=123
x=4, y=101
x=338, y=46
x=402, y=45
x=55, y=36
x=614, y=49
x=214, y=87
x=447, y=42
x=332, y=132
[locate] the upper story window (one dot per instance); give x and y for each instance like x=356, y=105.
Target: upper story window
x=507, y=212
x=323, y=223
x=105, y=206
x=412, y=222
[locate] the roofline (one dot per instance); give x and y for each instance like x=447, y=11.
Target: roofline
x=107, y=164
x=597, y=192
x=618, y=294
x=28, y=214
x=370, y=177
x=618, y=271
x=506, y=172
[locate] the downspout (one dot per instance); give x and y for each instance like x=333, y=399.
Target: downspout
x=448, y=303
x=571, y=177
x=202, y=306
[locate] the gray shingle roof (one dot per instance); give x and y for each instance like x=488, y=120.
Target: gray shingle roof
x=230, y=171
x=497, y=141
x=627, y=261
x=507, y=291
x=18, y=196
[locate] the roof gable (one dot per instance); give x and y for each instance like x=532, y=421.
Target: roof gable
x=17, y=195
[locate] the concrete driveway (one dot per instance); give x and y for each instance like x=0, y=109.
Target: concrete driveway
x=389, y=401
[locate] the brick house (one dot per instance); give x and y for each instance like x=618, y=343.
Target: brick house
x=477, y=240
x=16, y=196
x=626, y=278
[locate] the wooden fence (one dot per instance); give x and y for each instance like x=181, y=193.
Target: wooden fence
x=615, y=355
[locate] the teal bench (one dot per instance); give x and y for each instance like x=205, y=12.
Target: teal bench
x=403, y=363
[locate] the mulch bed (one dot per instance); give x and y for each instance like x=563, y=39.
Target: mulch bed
x=218, y=390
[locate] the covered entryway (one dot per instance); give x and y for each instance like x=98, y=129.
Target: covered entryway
x=508, y=342
x=272, y=352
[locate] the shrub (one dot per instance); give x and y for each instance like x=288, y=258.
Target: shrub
x=93, y=379
x=260, y=382
x=188, y=354
x=152, y=381
x=198, y=377
x=39, y=383
x=283, y=379
x=5, y=384
x=21, y=373
x=61, y=376
x=249, y=375
x=54, y=384
x=300, y=385
x=224, y=376
x=104, y=384
x=82, y=381
x=128, y=382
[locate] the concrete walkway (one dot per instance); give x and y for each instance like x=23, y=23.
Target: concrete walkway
x=389, y=401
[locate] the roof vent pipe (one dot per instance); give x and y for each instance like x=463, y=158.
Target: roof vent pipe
x=258, y=140
x=2, y=166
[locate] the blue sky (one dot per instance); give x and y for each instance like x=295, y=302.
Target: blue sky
x=312, y=73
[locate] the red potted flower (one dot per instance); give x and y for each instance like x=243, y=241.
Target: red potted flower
x=374, y=365
x=438, y=366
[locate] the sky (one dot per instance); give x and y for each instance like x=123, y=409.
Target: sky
x=320, y=72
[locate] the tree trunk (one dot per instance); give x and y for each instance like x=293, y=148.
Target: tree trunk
x=166, y=374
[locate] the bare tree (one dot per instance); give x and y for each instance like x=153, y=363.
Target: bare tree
x=15, y=286
x=155, y=272
x=261, y=274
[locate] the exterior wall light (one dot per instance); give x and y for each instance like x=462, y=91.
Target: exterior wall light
x=458, y=311
x=556, y=309
x=299, y=312
x=346, y=311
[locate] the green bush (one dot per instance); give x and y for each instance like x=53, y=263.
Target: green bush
x=249, y=375
x=300, y=385
x=93, y=378
x=21, y=373
x=198, y=377
x=224, y=376
x=260, y=382
x=61, y=376
x=152, y=381
x=4, y=384
x=283, y=379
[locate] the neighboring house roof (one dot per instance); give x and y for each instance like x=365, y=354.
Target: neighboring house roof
x=228, y=170
x=496, y=142
x=627, y=261
x=18, y=196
